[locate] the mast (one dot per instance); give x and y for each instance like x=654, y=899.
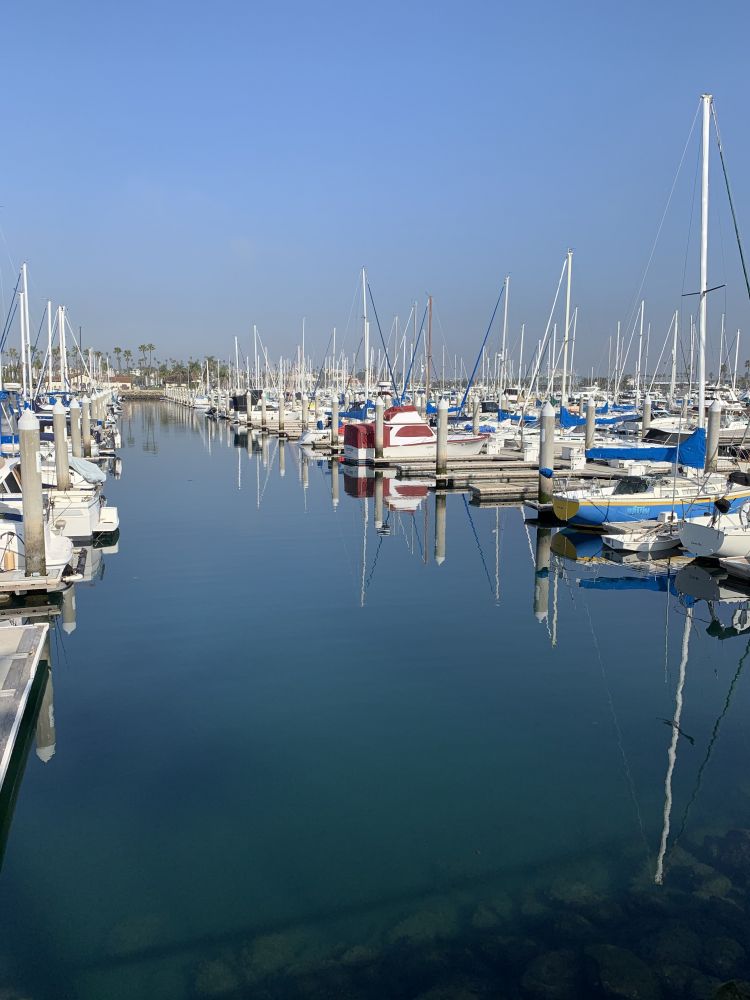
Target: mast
x=505, y=336
x=367, y=338
x=673, y=373
x=24, y=327
x=61, y=339
x=429, y=349
x=706, y=100
x=736, y=362
x=564, y=388
x=49, y=346
x=638, y=364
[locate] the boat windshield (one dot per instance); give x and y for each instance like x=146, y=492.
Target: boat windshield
x=631, y=484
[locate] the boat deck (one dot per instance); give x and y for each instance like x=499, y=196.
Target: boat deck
x=20, y=651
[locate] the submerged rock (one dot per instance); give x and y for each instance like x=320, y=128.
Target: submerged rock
x=723, y=956
x=553, y=975
x=216, y=978
x=620, y=973
x=672, y=944
x=572, y=928
x=731, y=853
x=733, y=990
x=436, y=922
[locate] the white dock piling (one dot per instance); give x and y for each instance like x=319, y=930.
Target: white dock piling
x=62, y=468
x=86, y=425
x=646, y=416
x=335, y=423
x=305, y=410
x=282, y=407
x=590, y=422
x=546, y=452
x=475, y=416
x=75, y=429
x=33, y=509
x=263, y=417
x=712, y=436
x=379, y=410
x=441, y=463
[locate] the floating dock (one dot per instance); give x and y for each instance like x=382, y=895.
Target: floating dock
x=21, y=649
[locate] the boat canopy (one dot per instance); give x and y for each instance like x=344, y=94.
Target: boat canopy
x=90, y=472
x=690, y=452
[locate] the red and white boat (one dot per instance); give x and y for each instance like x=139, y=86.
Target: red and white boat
x=405, y=436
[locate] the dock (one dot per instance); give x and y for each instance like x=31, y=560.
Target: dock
x=21, y=649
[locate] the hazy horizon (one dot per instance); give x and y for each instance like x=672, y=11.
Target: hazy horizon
x=176, y=173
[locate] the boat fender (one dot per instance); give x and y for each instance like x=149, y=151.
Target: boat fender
x=723, y=505
x=547, y=473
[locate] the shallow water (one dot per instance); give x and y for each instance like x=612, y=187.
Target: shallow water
x=296, y=756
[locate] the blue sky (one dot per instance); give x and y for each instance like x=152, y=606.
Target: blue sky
x=174, y=172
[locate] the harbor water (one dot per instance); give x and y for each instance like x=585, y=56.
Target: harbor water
x=327, y=735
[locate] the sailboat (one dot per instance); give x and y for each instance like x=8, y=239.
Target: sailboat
x=646, y=498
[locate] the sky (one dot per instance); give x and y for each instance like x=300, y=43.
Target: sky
x=177, y=172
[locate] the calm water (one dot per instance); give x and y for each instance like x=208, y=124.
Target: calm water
x=298, y=757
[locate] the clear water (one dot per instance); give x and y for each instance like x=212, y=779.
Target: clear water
x=278, y=775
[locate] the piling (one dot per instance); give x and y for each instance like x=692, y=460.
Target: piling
x=282, y=407
x=335, y=422
x=305, y=410
x=590, y=422
x=69, y=611
x=248, y=406
x=441, y=458
x=541, y=573
x=263, y=417
x=546, y=452
x=44, y=736
x=712, y=436
x=62, y=468
x=282, y=459
x=86, y=425
x=646, y=416
x=475, y=415
x=378, y=500
x=441, y=501
x=75, y=429
x=335, y=482
x=379, y=410
x=33, y=509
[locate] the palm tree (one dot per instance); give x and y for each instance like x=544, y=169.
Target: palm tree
x=128, y=355
x=150, y=348
x=118, y=352
x=143, y=348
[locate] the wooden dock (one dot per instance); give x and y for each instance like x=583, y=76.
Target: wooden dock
x=21, y=649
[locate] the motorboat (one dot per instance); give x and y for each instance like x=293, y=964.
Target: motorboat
x=405, y=436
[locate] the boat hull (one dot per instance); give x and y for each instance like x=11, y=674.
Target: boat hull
x=596, y=512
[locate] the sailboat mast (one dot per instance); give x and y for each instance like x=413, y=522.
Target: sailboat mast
x=367, y=338
x=673, y=373
x=564, y=387
x=429, y=349
x=706, y=100
x=503, y=346
x=49, y=346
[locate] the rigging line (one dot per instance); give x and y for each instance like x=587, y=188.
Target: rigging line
x=729, y=195
x=618, y=731
x=672, y=751
x=476, y=539
x=637, y=297
x=382, y=340
x=712, y=741
x=481, y=349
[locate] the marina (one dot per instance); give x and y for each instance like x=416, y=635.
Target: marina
x=375, y=502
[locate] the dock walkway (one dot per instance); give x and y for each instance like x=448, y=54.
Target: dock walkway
x=20, y=651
